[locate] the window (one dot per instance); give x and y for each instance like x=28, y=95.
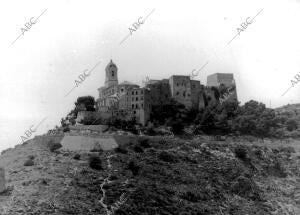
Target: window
x=132, y=106
x=142, y=92
x=112, y=73
x=183, y=93
x=142, y=98
x=136, y=106
x=137, y=98
x=142, y=105
x=122, y=90
x=132, y=93
x=136, y=92
x=134, y=112
x=177, y=93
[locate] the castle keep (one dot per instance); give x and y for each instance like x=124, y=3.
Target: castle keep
x=126, y=100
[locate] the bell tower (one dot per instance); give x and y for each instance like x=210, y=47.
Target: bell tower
x=111, y=77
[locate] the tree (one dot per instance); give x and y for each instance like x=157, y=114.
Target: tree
x=291, y=125
x=172, y=111
x=177, y=127
x=255, y=119
x=88, y=102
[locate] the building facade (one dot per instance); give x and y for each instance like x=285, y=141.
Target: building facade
x=126, y=100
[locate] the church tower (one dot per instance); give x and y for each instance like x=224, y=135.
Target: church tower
x=111, y=74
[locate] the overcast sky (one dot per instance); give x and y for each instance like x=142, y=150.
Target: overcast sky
x=41, y=67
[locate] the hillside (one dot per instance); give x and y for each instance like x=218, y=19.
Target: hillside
x=154, y=175
x=289, y=108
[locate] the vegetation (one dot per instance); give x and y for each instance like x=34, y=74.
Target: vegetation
x=85, y=103
x=29, y=162
x=95, y=162
x=53, y=146
x=220, y=116
x=77, y=156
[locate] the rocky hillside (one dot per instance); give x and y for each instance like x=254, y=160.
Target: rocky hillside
x=153, y=175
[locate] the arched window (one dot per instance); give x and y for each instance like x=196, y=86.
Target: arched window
x=112, y=73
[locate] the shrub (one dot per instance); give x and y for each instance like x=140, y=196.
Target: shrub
x=77, y=156
x=240, y=152
x=291, y=125
x=162, y=142
x=177, y=127
x=144, y=142
x=66, y=129
x=95, y=162
x=53, y=146
x=113, y=178
x=31, y=157
x=190, y=196
x=287, y=149
x=150, y=130
x=29, y=162
x=258, y=153
x=133, y=167
x=167, y=157
x=138, y=149
x=97, y=150
x=121, y=150
x=244, y=186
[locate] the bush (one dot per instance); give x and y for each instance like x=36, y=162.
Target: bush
x=162, y=142
x=240, y=152
x=53, y=146
x=150, y=130
x=287, y=149
x=133, y=167
x=190, y=196
x=66, y=129
x=138, y=149
x=77, y=156
x=167, y=157
x=177, y=127
x=29, y=162
x=291, y=125
x=97, y=150
x=121, y=150
x=144, y=142
x=95, y=162
x=244, y=186
x=31, y=157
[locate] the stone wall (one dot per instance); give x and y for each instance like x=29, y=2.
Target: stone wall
x=181, y=89
x=220, y=78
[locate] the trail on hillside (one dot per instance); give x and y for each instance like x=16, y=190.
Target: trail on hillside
x=106, y=181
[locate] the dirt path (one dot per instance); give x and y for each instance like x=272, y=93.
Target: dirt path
x=105, y=182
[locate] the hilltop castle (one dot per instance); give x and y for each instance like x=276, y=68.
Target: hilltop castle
x=126, y=100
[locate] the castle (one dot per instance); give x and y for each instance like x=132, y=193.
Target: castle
x=126, y=100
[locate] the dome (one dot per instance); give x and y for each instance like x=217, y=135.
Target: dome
x=127, y=83
x=110, y=65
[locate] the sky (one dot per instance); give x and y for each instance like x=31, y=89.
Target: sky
x=71, y=37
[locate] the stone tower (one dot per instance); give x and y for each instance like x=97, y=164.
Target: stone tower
x=111, y=77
